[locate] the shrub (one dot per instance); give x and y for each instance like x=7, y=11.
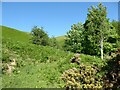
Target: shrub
x=53, y=43
x=83, y=77
x=39, y=36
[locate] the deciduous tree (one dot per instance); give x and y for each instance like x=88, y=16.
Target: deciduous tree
x=39, y=36
x=74, y=38
x=97, y=28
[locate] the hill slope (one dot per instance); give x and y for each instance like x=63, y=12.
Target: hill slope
x=14, y=34
x=60, y=40
x=37, y=66
x=40, y=65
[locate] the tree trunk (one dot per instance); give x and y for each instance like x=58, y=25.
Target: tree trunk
x=101, y=47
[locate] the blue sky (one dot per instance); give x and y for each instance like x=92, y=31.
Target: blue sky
x=56, y=18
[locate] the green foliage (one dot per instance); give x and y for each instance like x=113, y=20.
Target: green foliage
x=97, y=37
x=39, y=63
x=109, y=47
x=92, y=60
x=54, y=43
x=60, y=40
x=74, y=38
x=83, y=77
x=42, y=65
x=116, y=24
x=39, y=37
x=40, y=53
x=98, y=29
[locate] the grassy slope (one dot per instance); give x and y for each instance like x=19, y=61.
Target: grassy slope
x=39, y=66
x=60, y=40
x=14, y=34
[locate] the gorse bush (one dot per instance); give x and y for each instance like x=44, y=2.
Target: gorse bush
x=82, y=77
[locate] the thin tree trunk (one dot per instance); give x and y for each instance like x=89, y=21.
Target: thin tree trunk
x=101, y=47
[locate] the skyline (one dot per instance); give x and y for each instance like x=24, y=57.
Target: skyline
x=56, y=18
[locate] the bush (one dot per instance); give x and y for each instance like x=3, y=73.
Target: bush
x=39, y=36
x=53, y=43
x=83, y=77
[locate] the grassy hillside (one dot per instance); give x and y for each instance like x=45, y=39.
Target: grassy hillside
x=37, y=66
x=14, y=34
x=60, y=40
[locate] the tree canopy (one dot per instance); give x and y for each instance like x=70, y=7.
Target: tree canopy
x=39, y=36
x=74, y=38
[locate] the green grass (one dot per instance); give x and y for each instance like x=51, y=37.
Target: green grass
x=16, y=35
x=39, y=66
x=60, y=40
x=32, y=76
